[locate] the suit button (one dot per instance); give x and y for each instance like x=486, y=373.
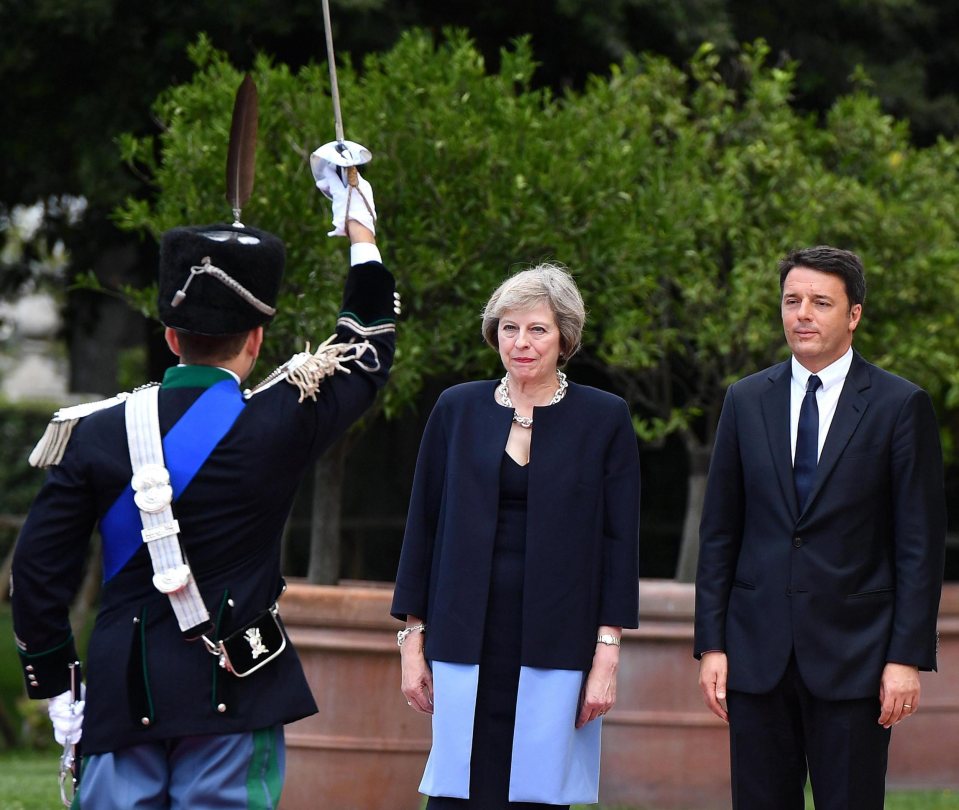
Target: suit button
x=797, y=542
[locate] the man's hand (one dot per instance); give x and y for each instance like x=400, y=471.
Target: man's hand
x=352, y=200
x=713, y=667
x=67, y=717
x=898, y=693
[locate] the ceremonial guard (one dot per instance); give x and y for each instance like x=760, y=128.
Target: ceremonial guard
x=189, y=673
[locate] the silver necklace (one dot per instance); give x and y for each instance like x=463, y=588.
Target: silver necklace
x=527, y=421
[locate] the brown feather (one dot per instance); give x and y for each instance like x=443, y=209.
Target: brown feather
x=241, y=153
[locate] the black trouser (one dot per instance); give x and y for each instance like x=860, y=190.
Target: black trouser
x=773, y=736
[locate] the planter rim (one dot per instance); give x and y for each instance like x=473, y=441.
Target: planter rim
x=367, y=605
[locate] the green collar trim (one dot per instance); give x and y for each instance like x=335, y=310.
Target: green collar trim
x=194, y=376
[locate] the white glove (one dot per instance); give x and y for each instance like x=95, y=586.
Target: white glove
x=67, y=716
x=349, y=202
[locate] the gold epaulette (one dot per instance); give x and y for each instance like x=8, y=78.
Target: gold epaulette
x=53, y=443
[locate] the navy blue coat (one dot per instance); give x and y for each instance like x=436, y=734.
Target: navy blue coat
x=231, y=517
x=851, y=582
x=582, y=525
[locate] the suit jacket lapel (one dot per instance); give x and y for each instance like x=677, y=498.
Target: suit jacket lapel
x=849, y=411
x=775, y=407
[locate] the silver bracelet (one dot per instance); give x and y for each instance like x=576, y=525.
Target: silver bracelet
x=402, y=634
x=608, y=639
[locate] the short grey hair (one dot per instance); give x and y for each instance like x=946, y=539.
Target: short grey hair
x=550, y=283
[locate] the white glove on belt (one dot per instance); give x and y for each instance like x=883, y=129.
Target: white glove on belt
x=67, y=716
x=349, y=202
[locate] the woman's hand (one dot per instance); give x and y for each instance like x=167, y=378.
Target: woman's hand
x=599, y=694
x=417, y=678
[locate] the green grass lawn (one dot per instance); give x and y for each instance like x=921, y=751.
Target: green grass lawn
x=28, y=781
x=918, y=800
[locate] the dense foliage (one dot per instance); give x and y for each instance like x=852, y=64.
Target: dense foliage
x=671, y=194
x=20, y=428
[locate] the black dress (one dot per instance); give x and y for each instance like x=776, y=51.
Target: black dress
x=500, y=660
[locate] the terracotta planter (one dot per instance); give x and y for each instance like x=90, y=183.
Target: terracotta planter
x=925, y=750
x=366, y=749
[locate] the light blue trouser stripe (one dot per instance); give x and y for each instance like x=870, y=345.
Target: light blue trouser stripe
x=215, y=772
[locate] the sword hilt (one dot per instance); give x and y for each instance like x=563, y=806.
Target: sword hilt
x=70, y=759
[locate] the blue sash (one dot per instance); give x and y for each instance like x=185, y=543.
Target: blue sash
x=185, y=449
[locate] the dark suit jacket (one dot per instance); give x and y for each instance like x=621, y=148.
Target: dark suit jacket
x=231, y=522
x=582, y=524
x=854, y=580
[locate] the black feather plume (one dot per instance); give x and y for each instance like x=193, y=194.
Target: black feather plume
x=241, y=153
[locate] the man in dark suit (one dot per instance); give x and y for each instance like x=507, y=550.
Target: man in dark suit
x=172, y=717
x=821, y=556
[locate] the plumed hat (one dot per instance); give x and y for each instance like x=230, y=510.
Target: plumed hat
x=219, y=279
x=224, y=279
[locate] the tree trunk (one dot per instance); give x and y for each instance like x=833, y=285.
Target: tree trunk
x=324, y=567
x=695, y=494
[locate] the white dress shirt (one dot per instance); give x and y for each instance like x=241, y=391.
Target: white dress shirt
x=833, y=378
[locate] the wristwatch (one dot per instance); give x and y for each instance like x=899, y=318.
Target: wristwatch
x=609, y=639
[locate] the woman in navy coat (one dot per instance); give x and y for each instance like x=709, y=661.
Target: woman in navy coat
x=519, y=564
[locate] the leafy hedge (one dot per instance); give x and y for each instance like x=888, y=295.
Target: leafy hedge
x=21, y=425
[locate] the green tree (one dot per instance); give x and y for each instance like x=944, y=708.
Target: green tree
x=701, y=185
x=670, y=193
x=907, y=47
x=451, y=145
x=76, y=73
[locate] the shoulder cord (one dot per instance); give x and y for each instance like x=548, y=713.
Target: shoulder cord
x=305, y=370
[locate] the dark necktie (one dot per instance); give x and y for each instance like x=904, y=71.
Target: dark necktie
x=807, y=443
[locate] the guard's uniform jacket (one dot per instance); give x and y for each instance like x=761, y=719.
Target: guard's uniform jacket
x=145, y=682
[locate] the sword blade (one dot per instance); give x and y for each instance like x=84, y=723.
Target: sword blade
x=334, y=86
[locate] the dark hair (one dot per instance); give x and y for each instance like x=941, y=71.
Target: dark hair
x=843, y=263
x=208, y=350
